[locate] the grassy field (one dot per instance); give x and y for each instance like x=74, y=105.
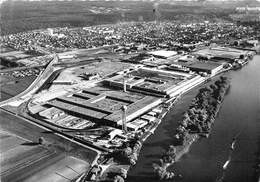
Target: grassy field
x=6, y=78
x=24, y=160
x=10, y=90
x=14, y=124
x=22, y=157
x=65, y=169
x=5, y=96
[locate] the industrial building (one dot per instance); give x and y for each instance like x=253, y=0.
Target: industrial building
x=51, y=113
x=123, y=101
x=103, y=105
x=208, y=67
x=163, y=54
x=62, y=82
x=221, y=54
x=156, y=82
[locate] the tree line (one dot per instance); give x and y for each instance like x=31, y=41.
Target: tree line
x=202, y=111
x=198, y=119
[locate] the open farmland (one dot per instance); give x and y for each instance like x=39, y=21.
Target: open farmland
x=10, y=90
x=67, y=168
x=21, y=159
x=6, y=78
x=56, y=149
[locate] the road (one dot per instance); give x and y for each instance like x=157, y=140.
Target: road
x=59, y=54
x=27, y=118
x=37, y=128
x=40, y=130
x=36, y=83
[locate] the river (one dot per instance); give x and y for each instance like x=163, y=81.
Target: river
x=206, y=157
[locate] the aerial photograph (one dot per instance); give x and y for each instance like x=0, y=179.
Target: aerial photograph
x=130, y=90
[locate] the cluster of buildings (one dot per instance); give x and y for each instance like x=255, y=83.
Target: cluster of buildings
x=170, y=58
x=125, y=103
x=247, y=13
x=104, y=10
x=123, y=113
x=35, y=61
x=23, y=73
x=144, y=35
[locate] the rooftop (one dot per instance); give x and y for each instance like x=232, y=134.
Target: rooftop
x=204, y=65
x=104, y=104
x=163, y=53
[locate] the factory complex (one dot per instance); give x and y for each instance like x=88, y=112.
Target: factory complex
x=109, y=103
x=126, y=103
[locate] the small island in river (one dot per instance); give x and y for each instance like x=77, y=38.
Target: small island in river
x=196, y=121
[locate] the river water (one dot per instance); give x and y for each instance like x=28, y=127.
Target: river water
x=204, y=162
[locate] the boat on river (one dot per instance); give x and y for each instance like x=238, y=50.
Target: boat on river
x=233, y=144
x=226, y=164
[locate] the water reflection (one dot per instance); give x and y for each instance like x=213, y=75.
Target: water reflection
x=206, y=157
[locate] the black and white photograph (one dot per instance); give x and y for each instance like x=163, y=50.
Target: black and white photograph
x=130, y=91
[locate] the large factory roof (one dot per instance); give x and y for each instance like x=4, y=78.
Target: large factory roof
x=132, y=108
x=203, y=65
x=105, y=106
x=155, y=82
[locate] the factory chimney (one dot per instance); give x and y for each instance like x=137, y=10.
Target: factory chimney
x=124, y=128
x=125, y=85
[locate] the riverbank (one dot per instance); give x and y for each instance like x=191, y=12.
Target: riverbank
x=205, y=158
x=197, y=121
x=119, y=162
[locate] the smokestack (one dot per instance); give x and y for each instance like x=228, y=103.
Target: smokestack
x=125, y=85
x=124, y=128
x=156, y=11
x=123, y=15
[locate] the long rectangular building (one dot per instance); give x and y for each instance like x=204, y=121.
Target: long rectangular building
x=104, y=105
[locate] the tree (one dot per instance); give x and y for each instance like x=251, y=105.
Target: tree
x=202, y=117
x=172, y=151
x=220, y=97
x=193, y=104
x=127, y=152
x=184, y=122
x=223, y=78
x=205, y=103
x=236, y=43
x=123, y=173
x=185, y=115
x=118, y=179
x=209, y=89
x=191, y=112
x=177, y=140
x=160, y=171
x=41, y=141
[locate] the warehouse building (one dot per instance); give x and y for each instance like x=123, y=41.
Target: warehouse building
x=105, y=107
x=51, y=113
x=208, y=67
x=163, y=54
x=150, y=81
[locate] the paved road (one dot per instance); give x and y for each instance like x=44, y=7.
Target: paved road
x=32, y=131
x=36, y=83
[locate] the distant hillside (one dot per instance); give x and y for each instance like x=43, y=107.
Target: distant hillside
x=230, y=4
x=18, y=16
